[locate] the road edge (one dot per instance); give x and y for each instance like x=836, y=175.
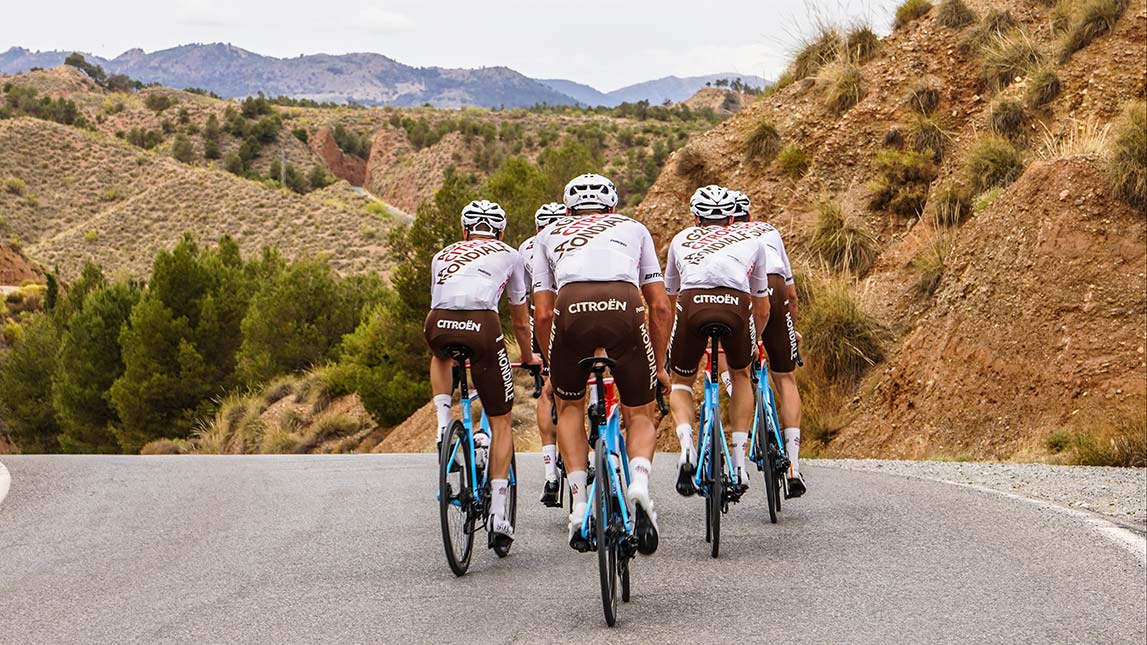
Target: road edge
x=5, y=482
x=1128, y=540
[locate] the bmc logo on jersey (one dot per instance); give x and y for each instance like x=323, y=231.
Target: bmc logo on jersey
x=460, y=325
x=709, y=299
x=598, y=305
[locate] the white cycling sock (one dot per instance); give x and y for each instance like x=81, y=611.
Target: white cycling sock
x=550, y=459
x=442, y=409
x=685, y=436
x=792, y=449
x=640, y=469
x=481, y=448
x=728, y=381
x=740, y=441
x=498, y=488
x=576, y=481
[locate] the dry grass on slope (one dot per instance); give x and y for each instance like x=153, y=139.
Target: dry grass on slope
x=100, y=198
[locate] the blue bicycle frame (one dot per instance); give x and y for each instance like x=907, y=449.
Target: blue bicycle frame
x=468, y=423
x=614, y=445
x=710, y=423
x=770, y=414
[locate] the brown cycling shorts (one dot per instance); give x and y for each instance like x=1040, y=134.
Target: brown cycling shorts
x=481, y=333
x=780, y=333
x=610, y=315
x=697, y=308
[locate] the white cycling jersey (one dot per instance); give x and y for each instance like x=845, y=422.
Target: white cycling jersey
x=527, y=251
x=595, y=248
x=471, y=275
x=779, y=260
x=712, y=257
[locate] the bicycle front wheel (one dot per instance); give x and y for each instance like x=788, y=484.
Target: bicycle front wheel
x=511, y=505
x=454, y=499
x=767, y=446
x=605, y=509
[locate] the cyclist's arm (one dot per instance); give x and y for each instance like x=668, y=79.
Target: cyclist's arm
x=520, y=319
x=760, y=314
x=660, y=319
x=544, y=320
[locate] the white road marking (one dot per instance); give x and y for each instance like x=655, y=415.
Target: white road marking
x=5, y=482
x=1128, y=540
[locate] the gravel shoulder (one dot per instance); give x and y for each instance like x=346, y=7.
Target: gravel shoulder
x=1118, y=494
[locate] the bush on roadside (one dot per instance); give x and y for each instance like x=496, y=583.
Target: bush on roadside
x=923, y=100
x=1095, y=19
x=952, y=204
x=1004, y=58
x=860, y=44
x=840, y=338
x=844, y=87
x=909, y=11
x=992, y=161
x=844, y=243
x=1127, y=161
x=1006, y=118
x=763, y=142
x=954, y=14
x=792, y=161
x=1043, y=88
x=902, y=182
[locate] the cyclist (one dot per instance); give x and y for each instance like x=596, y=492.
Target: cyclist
x=546, y=215
x=467, y=281
x=590, y=274
x=781, y=338
x=715, y=273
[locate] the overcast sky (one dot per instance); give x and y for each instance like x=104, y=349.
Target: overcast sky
x=604, y=43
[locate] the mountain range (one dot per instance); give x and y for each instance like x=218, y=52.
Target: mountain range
x=366, y=78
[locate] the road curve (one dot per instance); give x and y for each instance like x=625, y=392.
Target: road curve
x=346, y=549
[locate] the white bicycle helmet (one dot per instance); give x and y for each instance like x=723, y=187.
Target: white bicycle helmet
x=743, y=204
x=548, y=214
x=712, y=202
x=590, y=192
x=484, y=218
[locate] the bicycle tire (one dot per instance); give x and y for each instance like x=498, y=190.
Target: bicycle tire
x=511, y=506
x=456, y=519
x=769, y=454
x=716, y=486
x=606, y=548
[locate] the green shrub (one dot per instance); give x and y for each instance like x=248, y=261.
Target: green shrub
x=1115, y=436
x=1007, y=118
x=923, y=100
x=1062, y=13
x=319, y=178
x=820, y=50
x=844, y=87
x=1005, y=58
x=929, y=267
x=157, y=102
x=692, y=166
x=1043, y=88
x=952, y=204
x=182, y=149
x=954, y=14
x=1096, y=18
x=1127, y=161
x=15, y=186
x=909, y=11
x=986, y=198
x=927, y=137
x=792, y=161
x=763, y=142
x=844, y=243
x=840, y=339
x=861, y=43
x=996, y=24
x=992, y=161
x=901, y=183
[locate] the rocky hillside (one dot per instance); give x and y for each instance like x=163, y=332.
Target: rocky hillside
x=1005, y=313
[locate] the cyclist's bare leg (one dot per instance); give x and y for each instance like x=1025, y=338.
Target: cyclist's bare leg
x=641, y=433
x=572, y=443
x=681, y=404
x=789, y=400
x=723, y=371
x=441, y=384
x=501, y=446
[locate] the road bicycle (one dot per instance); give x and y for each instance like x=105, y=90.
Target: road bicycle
x=609, y=521
x=767, y=449
x=463, y=488
x=714, y=476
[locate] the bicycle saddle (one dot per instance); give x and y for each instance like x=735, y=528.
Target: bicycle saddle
x=596, y=363
x=458, y=352
x=717, y=329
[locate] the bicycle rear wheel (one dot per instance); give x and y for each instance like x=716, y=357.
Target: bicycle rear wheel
x=716, y=486
x=454, y=498
x=605, y=509
x=511, y=505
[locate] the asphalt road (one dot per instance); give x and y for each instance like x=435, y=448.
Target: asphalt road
x=347, y=549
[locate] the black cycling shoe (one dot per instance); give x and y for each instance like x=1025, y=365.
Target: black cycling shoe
x=796, y=486
x=579, y=543
x=550, y=494
x=685, y=487
x=645, y=531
